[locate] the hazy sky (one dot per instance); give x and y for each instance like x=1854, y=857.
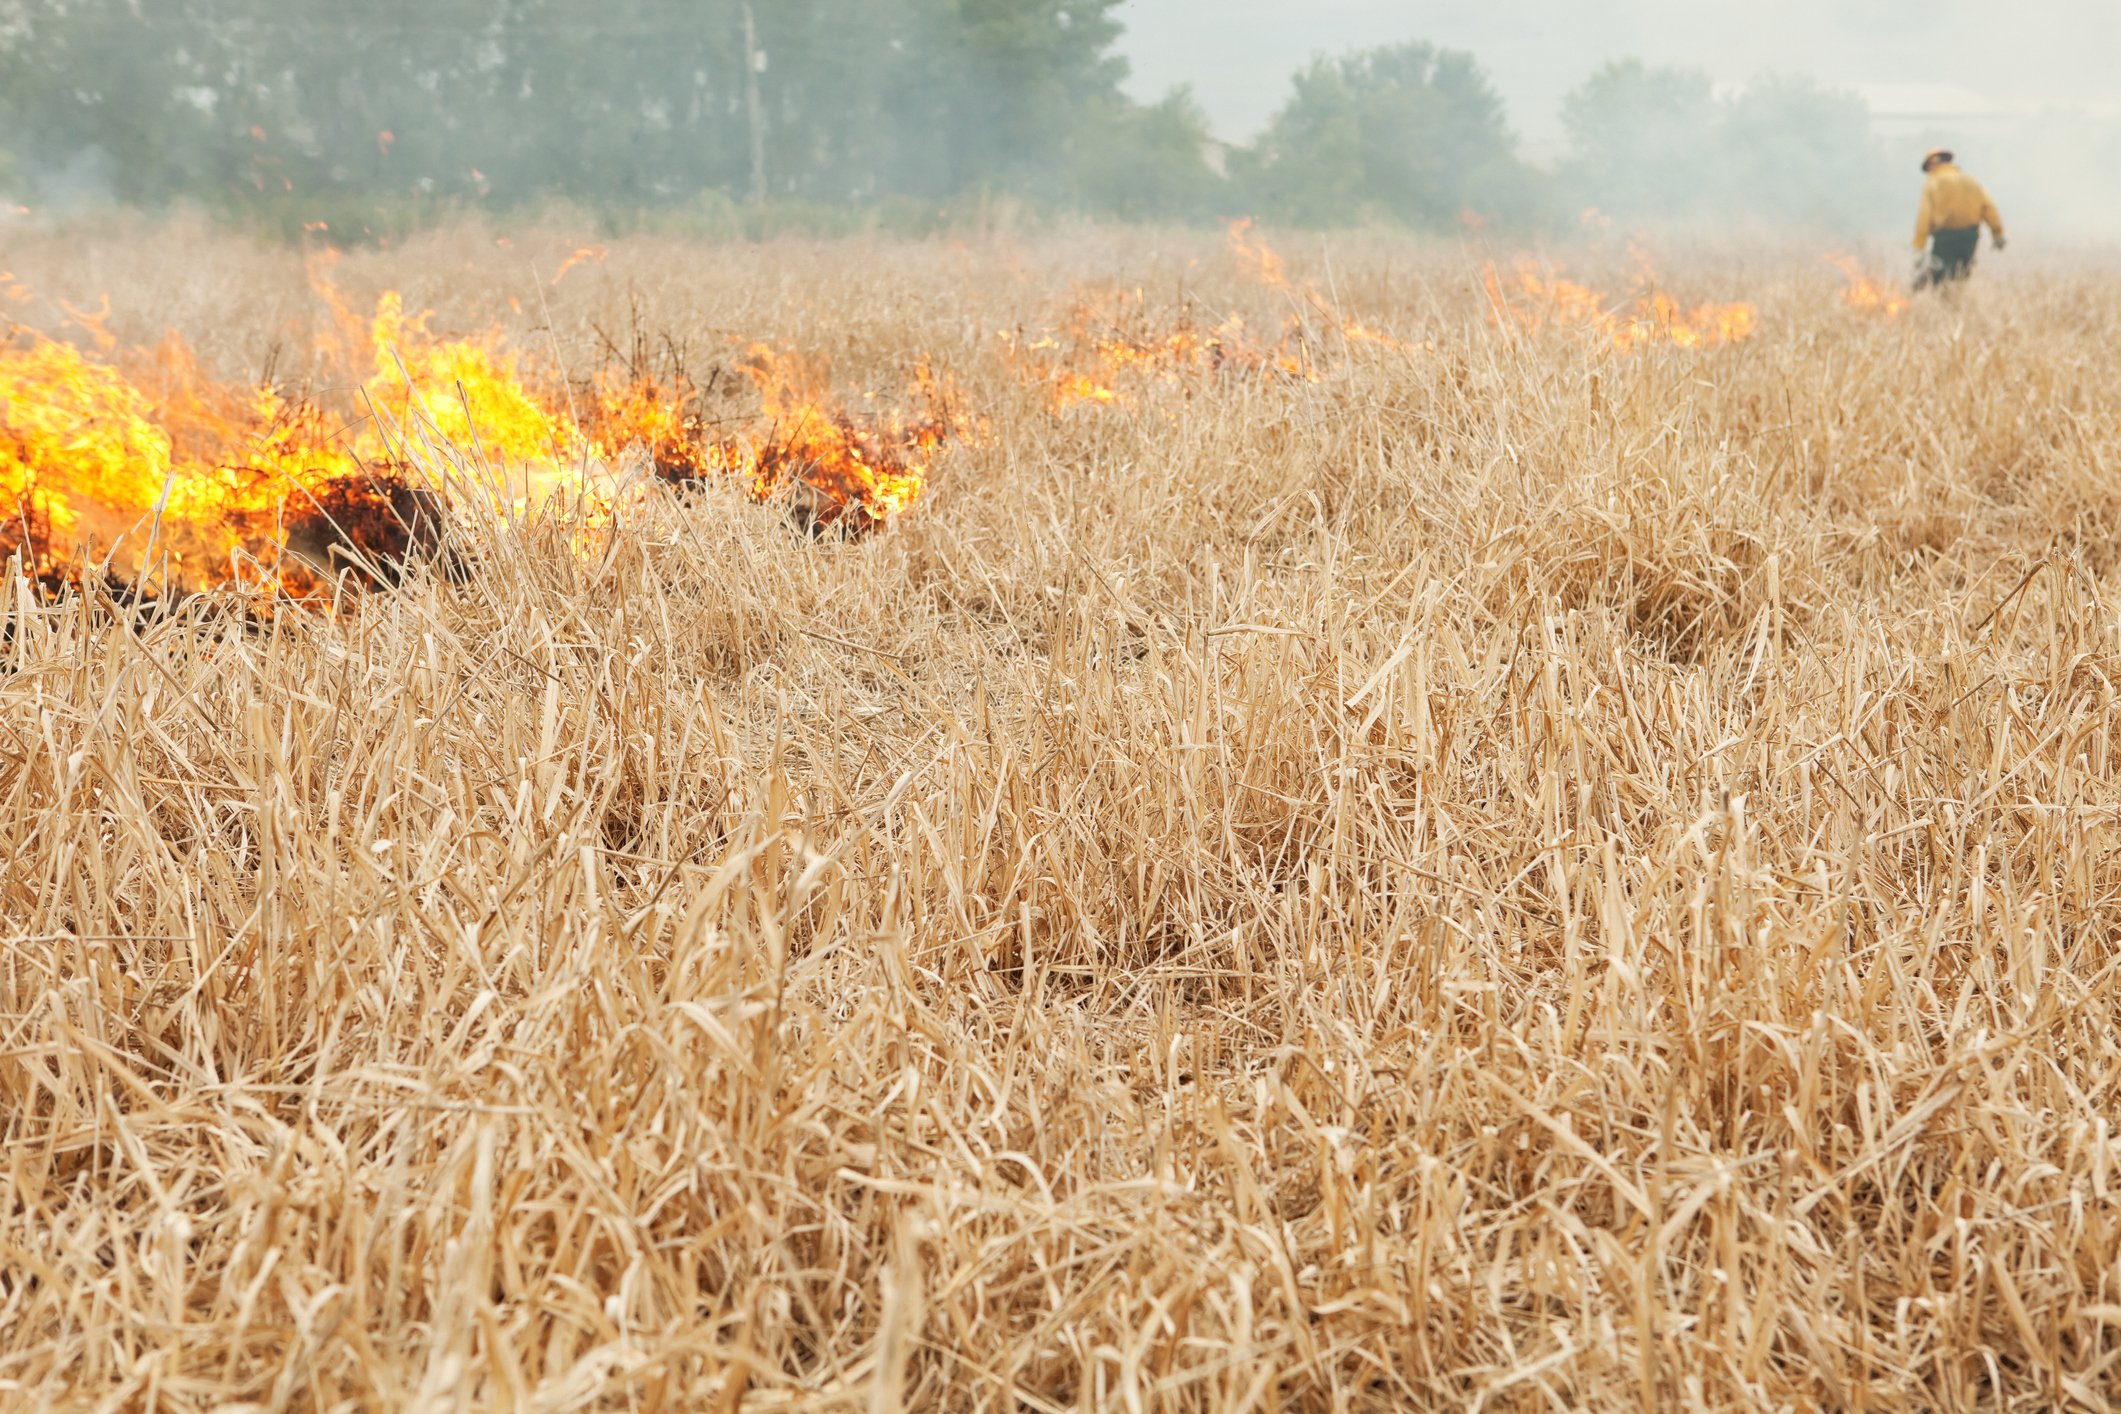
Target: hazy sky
x=1238, y=54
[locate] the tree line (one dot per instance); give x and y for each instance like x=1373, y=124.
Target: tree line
x=376, y=115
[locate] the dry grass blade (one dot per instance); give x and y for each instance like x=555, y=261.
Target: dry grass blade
x=1513, y=874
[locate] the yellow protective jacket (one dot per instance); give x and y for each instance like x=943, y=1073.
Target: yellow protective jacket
x=1952, y=201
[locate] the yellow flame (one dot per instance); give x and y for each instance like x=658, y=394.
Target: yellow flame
x=105, y=448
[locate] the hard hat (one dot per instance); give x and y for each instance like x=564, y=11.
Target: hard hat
x=1936, y=154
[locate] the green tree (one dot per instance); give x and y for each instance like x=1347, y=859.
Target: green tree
x=994, y=90
x=301, y=106
x=1410, y=132
x=1642, y=139
x=1149, y=163
x=109, y=95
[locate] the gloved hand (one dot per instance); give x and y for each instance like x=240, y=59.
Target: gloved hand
x=2000, y=242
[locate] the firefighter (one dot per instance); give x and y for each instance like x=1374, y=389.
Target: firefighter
x=1954, y=208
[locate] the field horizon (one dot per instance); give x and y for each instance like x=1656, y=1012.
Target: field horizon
x=1349, y=843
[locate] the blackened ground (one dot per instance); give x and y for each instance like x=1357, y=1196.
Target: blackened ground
x=377, y=525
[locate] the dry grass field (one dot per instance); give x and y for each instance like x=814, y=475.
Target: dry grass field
x=1498, y=872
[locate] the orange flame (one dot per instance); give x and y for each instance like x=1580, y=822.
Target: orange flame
x=1112, y=351
x=143, y=458
x=1536, y=297
x=838, y=469
x=870, y=471
x=93, y=323
x=90, y=452
x=1865, y=294
x=1255, y=258
x=1261, y=263
x=588, y=254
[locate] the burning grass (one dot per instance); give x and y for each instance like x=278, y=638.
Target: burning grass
x=136, y=455
x=1867, y=293
x=1536, y=297
x=1506, y=874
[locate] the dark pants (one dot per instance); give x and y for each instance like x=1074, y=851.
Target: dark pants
x=1951, y=256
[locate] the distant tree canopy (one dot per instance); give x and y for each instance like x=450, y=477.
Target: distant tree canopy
x=294, y=111
x=1650, y=142
x=1642, y=139
x=1146, y=163
x=616, y=103
x=1410, y=132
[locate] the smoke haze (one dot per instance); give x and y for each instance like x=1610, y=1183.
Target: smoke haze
x=1237, y=54
x=1806, y=116
x=2024, y=92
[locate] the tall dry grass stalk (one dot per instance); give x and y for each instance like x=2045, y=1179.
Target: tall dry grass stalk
x=1512, y=877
